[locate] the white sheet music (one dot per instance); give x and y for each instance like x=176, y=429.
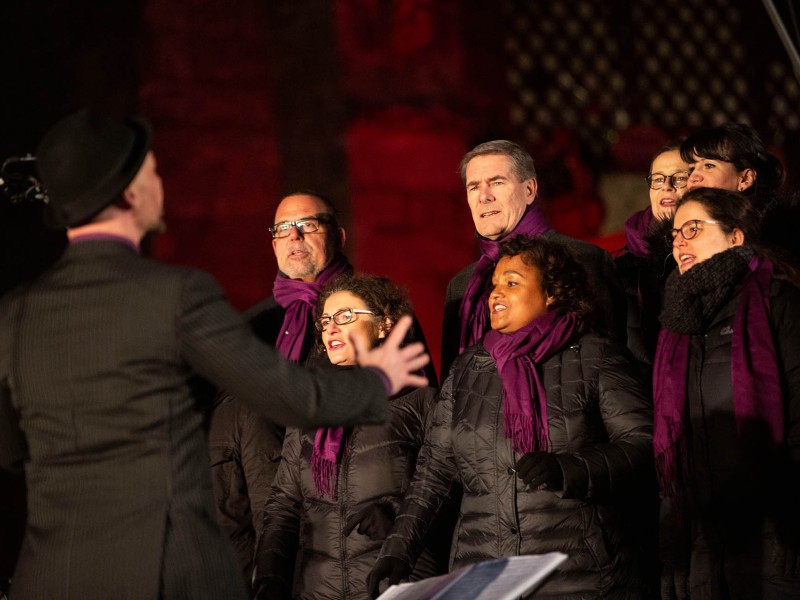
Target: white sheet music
x=501, y=579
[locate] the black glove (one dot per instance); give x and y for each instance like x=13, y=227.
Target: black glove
x=538, y=469
x=387, y=567
x=374, y=520
x=272, y=588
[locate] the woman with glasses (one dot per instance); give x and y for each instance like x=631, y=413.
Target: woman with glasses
x=546, y=426
x=727, y=409
x=647, y=260
x=732, y=157
x=337, y=491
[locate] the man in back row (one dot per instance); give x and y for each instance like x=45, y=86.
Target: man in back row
x=98, y=360
x=501, y=186
x=244, y=445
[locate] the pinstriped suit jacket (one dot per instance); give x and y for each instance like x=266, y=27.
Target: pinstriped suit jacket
x=96, y=358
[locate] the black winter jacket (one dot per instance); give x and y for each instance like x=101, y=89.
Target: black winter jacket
x=600, y=428
x=303, y=533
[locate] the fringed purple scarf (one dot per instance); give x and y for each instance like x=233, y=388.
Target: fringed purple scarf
x=325, y=460
x=474, y=312
x=524, y=398
x=636, y=228
x=298, y=299
x=754, y=370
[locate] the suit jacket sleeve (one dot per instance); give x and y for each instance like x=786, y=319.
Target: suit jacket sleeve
x=219, y=346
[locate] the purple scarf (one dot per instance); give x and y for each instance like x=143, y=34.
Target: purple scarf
x=636, y=228
x=474, y=312
x=298, y=299
x=325, y=460
x=754, y=373
x=517, y=355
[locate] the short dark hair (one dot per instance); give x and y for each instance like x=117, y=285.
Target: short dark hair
x=381, y=295
x=330, y=208
x=563, y=278
x=739, y=144
x=732, y=210
x=521, y=160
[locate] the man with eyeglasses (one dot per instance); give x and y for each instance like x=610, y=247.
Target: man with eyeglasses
x=246, y=447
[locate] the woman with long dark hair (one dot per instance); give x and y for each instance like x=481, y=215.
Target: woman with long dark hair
x=727, y=409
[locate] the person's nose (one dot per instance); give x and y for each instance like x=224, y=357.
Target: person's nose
x=333, y=328
x=295, y=234
x=695, y=178
x=668, y=184
x=678, y=240
x=485, y=194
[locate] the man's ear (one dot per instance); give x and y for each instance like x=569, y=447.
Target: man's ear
x=342, y=238
x=531, y=186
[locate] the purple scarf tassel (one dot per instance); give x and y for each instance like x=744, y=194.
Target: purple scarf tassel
x=474, y=311
x=325, y=460
x=754, y=372
x=298, y=299
x=517, y=356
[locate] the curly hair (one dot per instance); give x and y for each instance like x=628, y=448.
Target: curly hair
x=381, y=295
x=740, y=145
x=562, y=277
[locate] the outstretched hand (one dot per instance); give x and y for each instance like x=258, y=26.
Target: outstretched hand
x=400, y=365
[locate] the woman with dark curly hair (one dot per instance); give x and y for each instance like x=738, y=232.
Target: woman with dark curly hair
x=727, y=409
x=337, y=491
x=545, y=425
x=732, y=157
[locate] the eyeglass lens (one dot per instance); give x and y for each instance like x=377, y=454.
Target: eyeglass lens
x=284, y=228
x=678, y=180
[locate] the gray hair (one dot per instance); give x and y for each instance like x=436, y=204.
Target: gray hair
x=521, y=161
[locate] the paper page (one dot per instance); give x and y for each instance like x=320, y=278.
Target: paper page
x=501, y=579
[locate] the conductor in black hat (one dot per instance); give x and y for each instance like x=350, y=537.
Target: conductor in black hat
x=98, y=357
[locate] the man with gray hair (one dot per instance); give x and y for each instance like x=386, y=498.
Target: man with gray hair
x=501, y=185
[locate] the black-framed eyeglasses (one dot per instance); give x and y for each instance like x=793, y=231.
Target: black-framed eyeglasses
x=341, y=317
x=679, y=179
x=307, y=225
x=691, y=229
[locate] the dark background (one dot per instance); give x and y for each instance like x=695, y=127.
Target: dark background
x=374, y=102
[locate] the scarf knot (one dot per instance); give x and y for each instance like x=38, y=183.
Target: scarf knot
x=474, y=311
x=298, y=299
x=518, y=356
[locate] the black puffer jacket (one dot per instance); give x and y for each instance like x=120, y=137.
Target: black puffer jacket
x=743, y=521
x=377, y=466
x=600, y=427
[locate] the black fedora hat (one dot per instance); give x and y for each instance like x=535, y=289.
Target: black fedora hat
x=86, y=161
